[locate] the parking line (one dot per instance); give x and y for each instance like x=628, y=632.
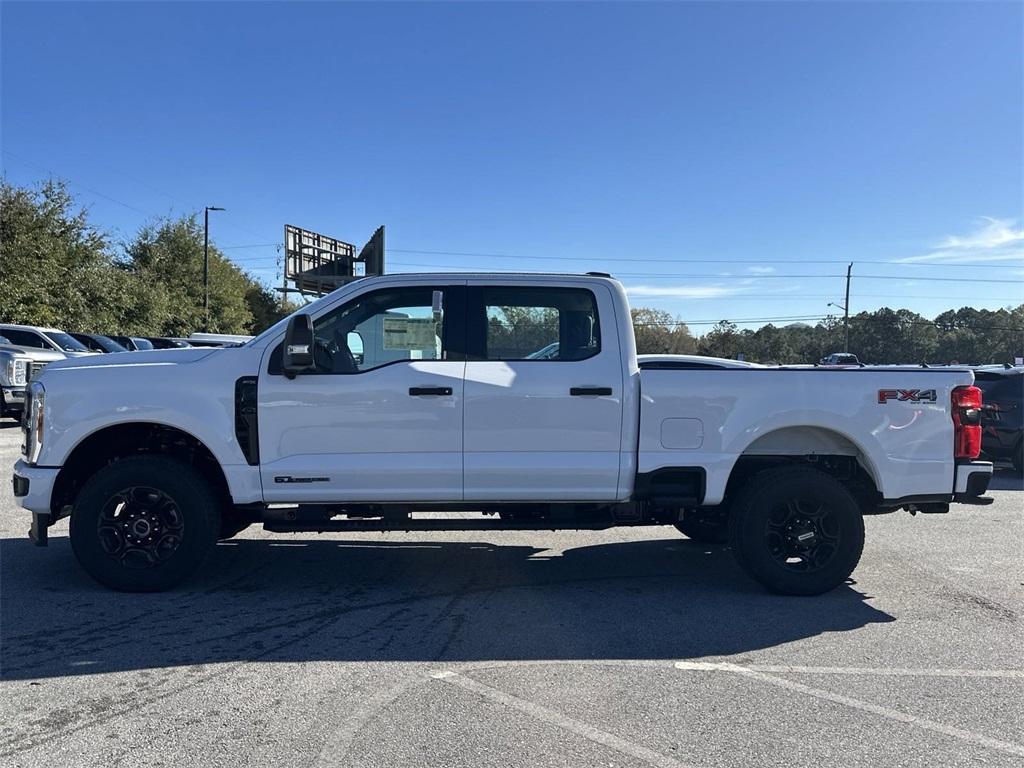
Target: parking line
x=875, y=709
x=875, y=671
x=564, y=722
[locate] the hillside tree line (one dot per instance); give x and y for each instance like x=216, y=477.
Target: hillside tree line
x=58, y=269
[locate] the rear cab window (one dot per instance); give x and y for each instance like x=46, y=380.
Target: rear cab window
x=534, y=323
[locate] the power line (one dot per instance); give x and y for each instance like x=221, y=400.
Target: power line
x=75, y=183
x=894, y=263
x=722, y=262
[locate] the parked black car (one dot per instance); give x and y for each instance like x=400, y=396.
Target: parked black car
x=1002, y=414
x=133, y=343
x=162, y=342
x=98, y=343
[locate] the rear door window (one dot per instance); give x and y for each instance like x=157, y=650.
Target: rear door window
x=538, y=324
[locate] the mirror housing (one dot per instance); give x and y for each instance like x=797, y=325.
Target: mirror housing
x=298, y=348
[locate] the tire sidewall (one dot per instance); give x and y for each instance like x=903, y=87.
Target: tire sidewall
x=182, y=484
x=750, y=545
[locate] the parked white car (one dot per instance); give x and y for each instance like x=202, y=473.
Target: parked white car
x=156, y=455
x=32, y=337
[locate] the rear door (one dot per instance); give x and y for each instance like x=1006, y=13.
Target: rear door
x=543, y=393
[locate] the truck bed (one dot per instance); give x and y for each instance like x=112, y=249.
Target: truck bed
x=709, y=418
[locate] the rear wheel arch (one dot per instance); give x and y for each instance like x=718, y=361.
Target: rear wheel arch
x=827, y=450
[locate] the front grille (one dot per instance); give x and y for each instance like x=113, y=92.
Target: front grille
x=34, y=367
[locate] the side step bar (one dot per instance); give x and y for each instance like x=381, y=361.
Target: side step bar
x=439, y=524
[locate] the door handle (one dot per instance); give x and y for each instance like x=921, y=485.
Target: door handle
x=590, y=391
x=417, y=391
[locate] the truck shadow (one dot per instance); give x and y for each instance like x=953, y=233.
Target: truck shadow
x=1006, y=479
x=378, y=599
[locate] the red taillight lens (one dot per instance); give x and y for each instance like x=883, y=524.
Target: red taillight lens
x=966, y=402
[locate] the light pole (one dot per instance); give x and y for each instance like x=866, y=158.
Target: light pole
x=206, y=264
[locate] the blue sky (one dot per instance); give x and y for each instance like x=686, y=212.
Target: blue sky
x=726, y=160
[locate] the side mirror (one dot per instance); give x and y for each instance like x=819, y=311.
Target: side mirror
x=297, y=355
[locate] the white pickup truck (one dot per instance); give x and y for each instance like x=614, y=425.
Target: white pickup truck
x=394, y=400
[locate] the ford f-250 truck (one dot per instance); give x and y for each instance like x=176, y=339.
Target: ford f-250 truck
x=395, y=399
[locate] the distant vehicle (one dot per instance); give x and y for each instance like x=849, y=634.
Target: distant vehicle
x=17, y=368
x=839, y=358
x=14, y=373
x=133, y=343
x=98, y=343
x=1002, y=417
x=550, y=352
x=163, y=342
x=31, y=337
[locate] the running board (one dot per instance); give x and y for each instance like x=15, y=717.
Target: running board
x=440, y=524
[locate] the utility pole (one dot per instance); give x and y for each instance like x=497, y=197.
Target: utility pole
x=845, y=306
x=206, y=264
x=846, y=309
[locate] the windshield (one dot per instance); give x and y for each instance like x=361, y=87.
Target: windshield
x=65, y=342
x=142, y=343
x=110, y=345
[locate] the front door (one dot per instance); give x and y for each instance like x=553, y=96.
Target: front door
x=544, y=386
x=380, y=418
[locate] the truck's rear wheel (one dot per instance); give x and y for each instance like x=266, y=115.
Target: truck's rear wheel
x=144, y=523
x=796, y=530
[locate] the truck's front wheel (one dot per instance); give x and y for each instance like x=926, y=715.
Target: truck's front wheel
x=796, y=530
x=144, y=523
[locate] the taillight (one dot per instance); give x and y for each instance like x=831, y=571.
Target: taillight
x=966, y=407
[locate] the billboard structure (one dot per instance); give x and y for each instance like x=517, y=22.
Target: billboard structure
x=318, y=264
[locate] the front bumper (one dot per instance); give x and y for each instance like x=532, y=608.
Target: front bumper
x=33, y=487
x=971, y=480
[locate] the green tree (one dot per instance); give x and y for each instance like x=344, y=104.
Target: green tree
x=723, y=340
x=55, y=267
x=168, y=256
x=658, y=333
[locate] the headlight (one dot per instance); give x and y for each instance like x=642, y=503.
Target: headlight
x=15, y=373
x=34, y=422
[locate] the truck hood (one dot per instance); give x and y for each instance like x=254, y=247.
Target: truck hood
x=38, y=355
x=133, y=359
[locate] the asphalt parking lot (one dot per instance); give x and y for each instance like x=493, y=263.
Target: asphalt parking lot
x=620, y=648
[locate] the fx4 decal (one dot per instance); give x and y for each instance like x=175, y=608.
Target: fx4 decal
x=907, y=395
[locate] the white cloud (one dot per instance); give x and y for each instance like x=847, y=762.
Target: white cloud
x=761, y=270
x=992, y=240
x=684, y=291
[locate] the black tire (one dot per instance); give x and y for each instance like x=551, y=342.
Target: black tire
x=796, y=531
x=1018, y=457
x=181, y=514
x=705, y=529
